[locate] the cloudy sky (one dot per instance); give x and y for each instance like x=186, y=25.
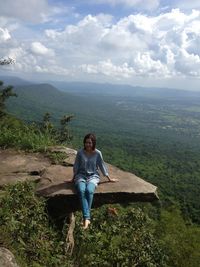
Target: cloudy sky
x=137, y=42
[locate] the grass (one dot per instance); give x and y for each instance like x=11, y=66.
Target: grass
x=15, y=133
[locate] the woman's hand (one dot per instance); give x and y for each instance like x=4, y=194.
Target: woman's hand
x=112, y=180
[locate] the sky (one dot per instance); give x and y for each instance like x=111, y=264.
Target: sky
x=153, y=43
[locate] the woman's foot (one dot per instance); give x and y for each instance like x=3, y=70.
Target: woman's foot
x=86, y=223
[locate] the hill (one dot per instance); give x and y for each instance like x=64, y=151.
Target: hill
x=35, y=100
x=15, y=81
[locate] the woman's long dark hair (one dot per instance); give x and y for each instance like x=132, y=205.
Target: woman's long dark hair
x=92, y=137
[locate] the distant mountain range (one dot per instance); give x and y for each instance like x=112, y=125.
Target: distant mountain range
x=83, y=99
x=122, y=90
x=107, y=89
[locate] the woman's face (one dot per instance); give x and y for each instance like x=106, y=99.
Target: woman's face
x=88, y=145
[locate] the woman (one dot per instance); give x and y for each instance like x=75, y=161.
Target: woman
x=86, y=175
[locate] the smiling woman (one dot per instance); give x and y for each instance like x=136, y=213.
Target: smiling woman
x=86, y=174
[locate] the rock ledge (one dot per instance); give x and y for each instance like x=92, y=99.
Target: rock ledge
x=53, y=181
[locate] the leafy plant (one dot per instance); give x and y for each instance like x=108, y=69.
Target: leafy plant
x=125, y=239
x=26, y=229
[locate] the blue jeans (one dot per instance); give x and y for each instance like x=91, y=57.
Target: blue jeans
x=86, y=193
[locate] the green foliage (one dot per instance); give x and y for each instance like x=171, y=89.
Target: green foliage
x=61, y=134
x=34, y=136
x=47, y=126
x=5, y=93
x=15, y=133
x=64, y=134
x=181, y=242
x=125, y=239
x=174, y=168
x=26, y=230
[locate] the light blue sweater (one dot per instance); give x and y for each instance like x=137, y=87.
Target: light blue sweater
x=86, y=167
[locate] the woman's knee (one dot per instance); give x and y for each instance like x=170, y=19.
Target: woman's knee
x=81, y=188
x=90, y=189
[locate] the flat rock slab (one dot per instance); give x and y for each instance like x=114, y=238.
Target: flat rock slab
x=62, y=197
x=56, y=181
x=20, y=166
x=53, y=181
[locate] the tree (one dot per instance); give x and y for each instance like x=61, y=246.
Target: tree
x=5, y=93
x=47, y=125
x=64, y=130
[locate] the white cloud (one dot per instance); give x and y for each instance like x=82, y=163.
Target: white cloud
x=23, y=62
x=137, y=45
x=39, y=49
x=188, y=64
x=4, y=35
x=109, y=69
x=146, y=66
x=160, y=47
x=82, y=40
x=143, y=66
x=52, y=70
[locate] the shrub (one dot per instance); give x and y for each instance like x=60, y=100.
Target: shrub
x=15, y=133
x=124, y=240
x=26, y=230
